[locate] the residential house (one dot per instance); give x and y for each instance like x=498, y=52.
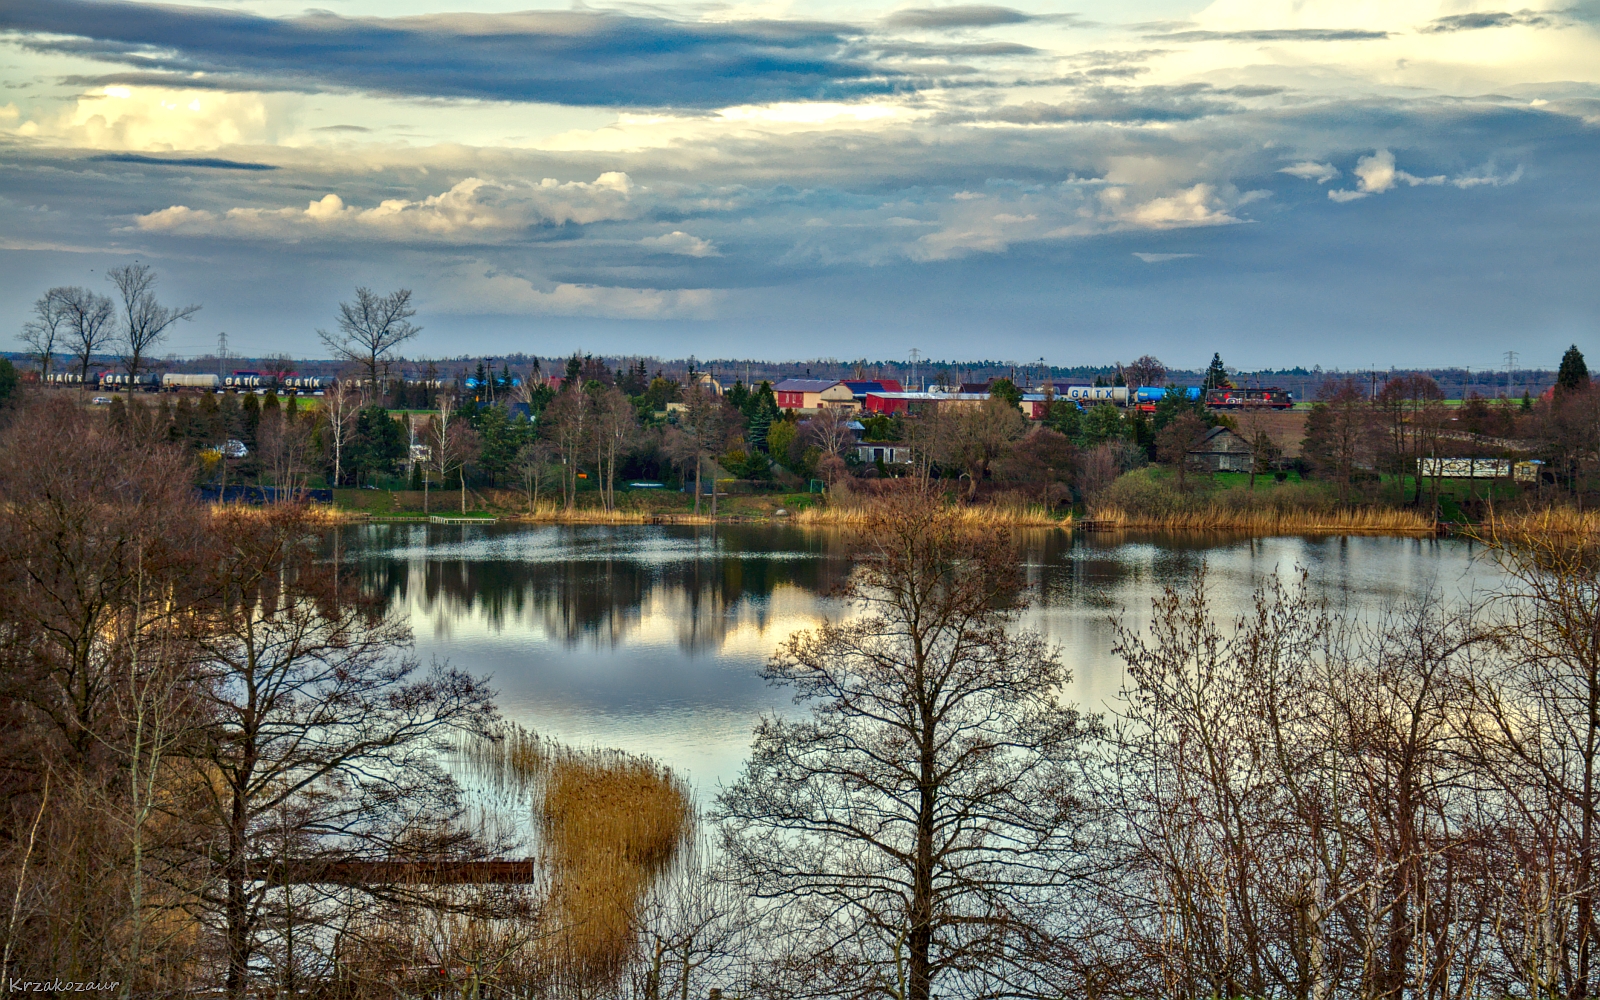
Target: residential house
x=813, y=394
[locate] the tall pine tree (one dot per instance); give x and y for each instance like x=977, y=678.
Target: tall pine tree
x=1573, y=373
x=1217, y=375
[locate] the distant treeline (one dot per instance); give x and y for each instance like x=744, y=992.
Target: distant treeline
x=1304, y=383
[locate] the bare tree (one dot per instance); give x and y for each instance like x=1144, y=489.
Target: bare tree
x=616, y=425
x=829, y=427
x=341, y=406
x=370, y=328
x=279, y=366
x=1254, y=429
x=1148, y=370
x=704, y=423
x=1177, y=439
x=47, y=328
x=1538, y=721
x=971, y=437
x=1097, y=470
x=917, y=813
x=694, y=929
x=569, y=422
x=454, y=444
x=313, y=708
x=94, y=554
x=285, y=446
x=144, y=320
x=1402, y=406
x=1339, y=434
x=533, y=465
x=89, y=326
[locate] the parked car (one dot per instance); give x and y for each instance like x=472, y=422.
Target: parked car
x=100, y=401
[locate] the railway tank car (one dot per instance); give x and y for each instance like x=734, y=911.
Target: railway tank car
x=314, y=385
x=1146, y=397
x=1115, y=394
x=254, y=381
x=174, y=381
x=140, y=383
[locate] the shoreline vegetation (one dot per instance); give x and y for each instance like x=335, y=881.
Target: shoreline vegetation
x=1204, y=514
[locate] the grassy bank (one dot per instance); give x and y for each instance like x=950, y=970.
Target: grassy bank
x=1152, y=499
x=1265, y=521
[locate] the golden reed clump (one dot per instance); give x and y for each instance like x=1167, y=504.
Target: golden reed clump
x=611, y=824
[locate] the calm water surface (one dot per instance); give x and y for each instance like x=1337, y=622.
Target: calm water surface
x=651, y=639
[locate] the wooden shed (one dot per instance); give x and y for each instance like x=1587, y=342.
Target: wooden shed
x=1221, y=450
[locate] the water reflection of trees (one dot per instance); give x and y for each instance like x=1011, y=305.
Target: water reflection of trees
x=605, y=595
x=605, y=586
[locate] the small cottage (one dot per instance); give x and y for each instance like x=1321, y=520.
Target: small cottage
x=1221, y=450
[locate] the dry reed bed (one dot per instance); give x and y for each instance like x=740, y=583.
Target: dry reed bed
x=834, y=515
x=1552, y=523
x=612, y=824
x=1364, y=520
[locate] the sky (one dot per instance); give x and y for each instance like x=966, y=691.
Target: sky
x=1345, y=183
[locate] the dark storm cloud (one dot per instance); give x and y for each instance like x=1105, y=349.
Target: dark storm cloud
x=193, y=161
x=1272, y=35
x=970, y=15
x=1488, y=19
x=569, y=57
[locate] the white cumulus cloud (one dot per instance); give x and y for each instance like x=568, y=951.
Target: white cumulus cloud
x=483, y=290
x=681, y=243
x=472, y=210
x=1310, y=170
x=1377, y=173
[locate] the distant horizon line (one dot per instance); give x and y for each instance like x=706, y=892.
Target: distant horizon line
x=725, y=365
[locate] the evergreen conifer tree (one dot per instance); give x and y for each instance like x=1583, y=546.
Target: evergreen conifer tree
x=1573, y=373
x=1217, y=375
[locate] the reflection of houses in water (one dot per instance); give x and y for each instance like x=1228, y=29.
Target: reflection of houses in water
x=706, y=592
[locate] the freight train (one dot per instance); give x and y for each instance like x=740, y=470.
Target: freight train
x=242, y=381
x=1249, y=399
x=1270, y=398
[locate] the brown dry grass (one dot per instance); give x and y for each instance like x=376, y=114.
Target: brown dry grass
x=1551, y=522
x=1267, y=521
x=612, y=824
x=859, y=512
x=550, y=512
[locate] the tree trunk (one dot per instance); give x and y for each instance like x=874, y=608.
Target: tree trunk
x=920, y=940
x=697, y=486
x=237, y=915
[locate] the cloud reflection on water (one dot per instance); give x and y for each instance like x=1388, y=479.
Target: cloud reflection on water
x=651, y=638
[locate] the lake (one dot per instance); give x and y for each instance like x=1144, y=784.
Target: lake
x=651, y=638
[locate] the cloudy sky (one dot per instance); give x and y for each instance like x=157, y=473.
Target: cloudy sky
x=1290, y=182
